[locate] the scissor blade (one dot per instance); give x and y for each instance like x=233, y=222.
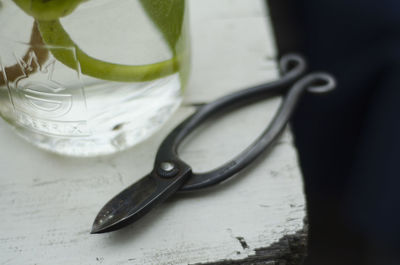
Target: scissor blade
x=135, y=201
x=127, y=203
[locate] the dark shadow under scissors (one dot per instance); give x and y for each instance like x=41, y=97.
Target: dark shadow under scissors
x=171, y=174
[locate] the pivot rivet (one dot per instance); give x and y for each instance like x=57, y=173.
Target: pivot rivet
x=167, y=166
x=167, y=170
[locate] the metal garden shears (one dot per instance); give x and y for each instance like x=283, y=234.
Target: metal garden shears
x=171, y=174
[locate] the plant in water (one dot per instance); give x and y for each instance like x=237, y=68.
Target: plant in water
x=167, y=16
x=35, y=45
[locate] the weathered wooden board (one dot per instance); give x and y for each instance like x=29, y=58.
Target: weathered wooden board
x=48, y=202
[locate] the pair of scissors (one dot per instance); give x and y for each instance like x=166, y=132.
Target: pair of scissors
x=171, y=174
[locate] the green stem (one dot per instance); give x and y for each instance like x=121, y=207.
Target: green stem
x=56, y=38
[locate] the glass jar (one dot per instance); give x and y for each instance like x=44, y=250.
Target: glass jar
x=91, y=77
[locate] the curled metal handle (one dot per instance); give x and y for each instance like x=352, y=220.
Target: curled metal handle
x=292, y=85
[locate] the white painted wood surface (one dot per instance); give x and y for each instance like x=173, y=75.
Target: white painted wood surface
x=48, y=202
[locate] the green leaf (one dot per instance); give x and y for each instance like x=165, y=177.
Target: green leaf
x=48, y=9
x=167, y=15
x=56, y=38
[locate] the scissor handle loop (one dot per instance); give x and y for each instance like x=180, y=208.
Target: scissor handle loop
x=292, y=85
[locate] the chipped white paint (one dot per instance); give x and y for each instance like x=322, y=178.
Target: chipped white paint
x=48, y=202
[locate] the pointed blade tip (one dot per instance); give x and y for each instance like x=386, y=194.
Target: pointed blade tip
x=95, y=231
x=99, y=229
x=102, y=228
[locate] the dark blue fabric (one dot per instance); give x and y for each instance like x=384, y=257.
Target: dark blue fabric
x=349, y=140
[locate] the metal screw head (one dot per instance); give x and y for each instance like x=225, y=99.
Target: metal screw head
x=167, y=166
x=167, y=170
